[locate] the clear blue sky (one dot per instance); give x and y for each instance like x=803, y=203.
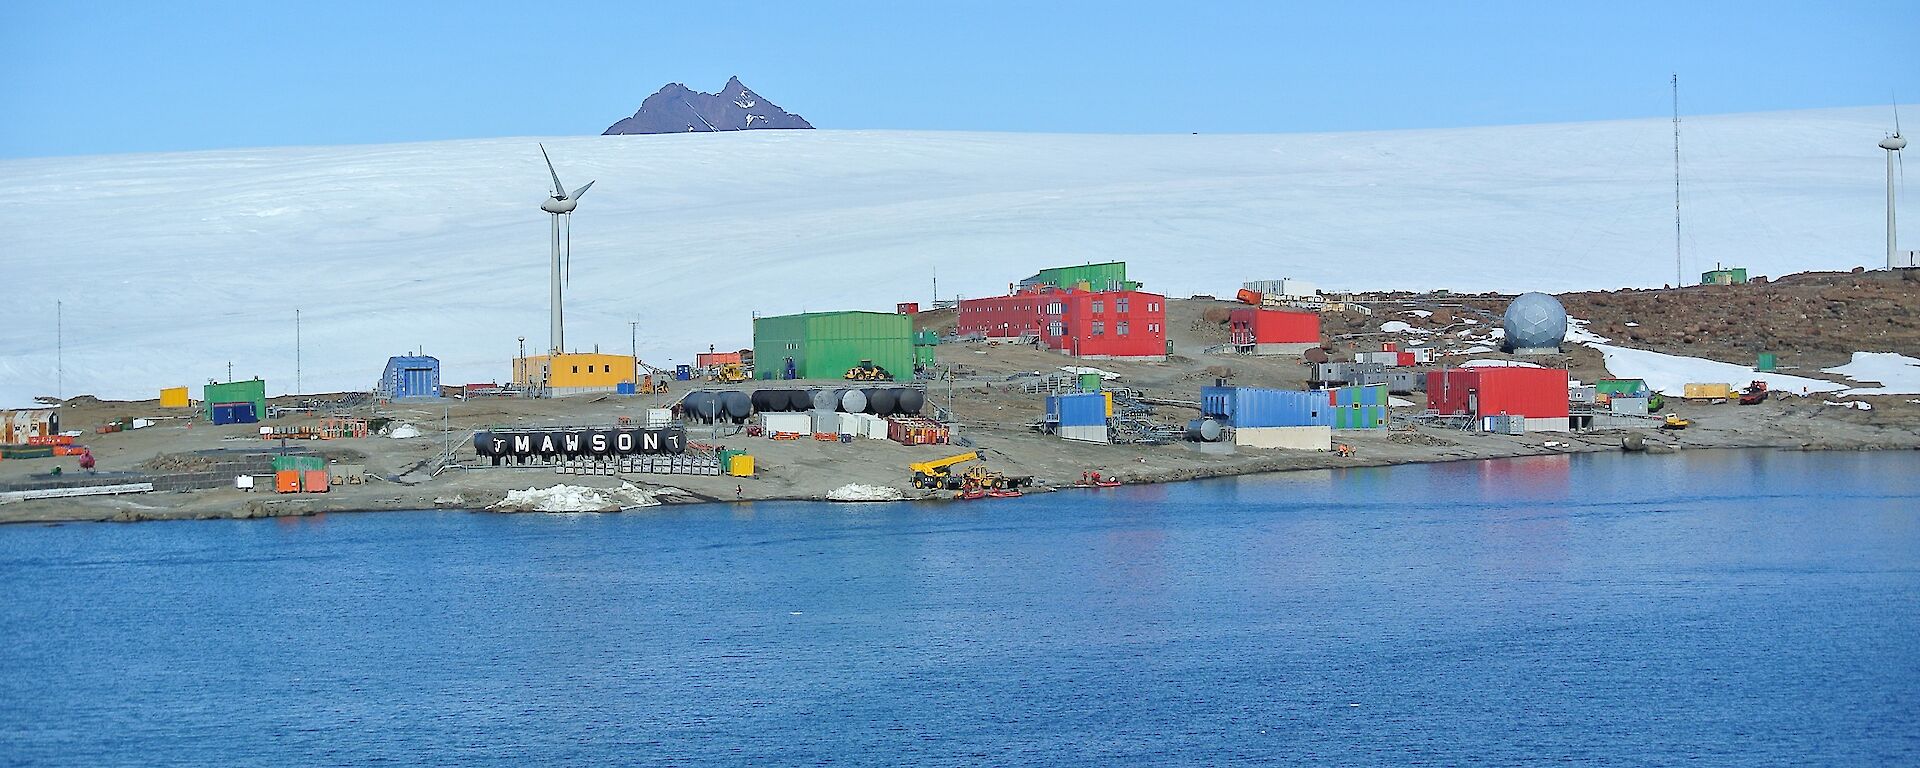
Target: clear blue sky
x=109, y=77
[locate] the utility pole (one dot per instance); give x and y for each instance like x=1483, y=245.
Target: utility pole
x=229, y=370
x=296, y=351
x=59, y=350
x=633, y=348
x=1679, y=272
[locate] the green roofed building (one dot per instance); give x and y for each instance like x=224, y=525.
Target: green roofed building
x=823, y=345
x=1111, y=276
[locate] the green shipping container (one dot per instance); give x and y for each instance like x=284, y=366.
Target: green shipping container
x=298, y=463
x=1621, y=387
x=254, y=391
x=1766, y=362
x=923, y=357
x=1089, y=382
x=823, y=345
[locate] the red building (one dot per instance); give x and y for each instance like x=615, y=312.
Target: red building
x=1537, y=394
x=1273, y=331
x=1092, y=324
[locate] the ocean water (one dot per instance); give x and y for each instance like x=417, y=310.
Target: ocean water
x=1709, y=608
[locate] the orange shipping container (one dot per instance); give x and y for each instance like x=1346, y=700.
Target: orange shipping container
x=286, y=481
x=316, y=481
x=1248, y=297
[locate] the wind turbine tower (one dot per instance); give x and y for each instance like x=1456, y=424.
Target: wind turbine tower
x=1893, y=144
x=561, y=204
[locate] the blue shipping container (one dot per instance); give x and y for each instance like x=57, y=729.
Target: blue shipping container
x=1085, y=409
x=234, y=413
x=1263, y=407
x=683, y=372
x=623, y=388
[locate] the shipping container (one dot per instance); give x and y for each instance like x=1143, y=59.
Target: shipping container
x=286, y=481
x=657, y=417
x=740, y=465
x=1766, y=362
x=624, y=388
x=1089, y=382
x=1708, y=391
x=907, y=308
x=1587, y=394
x=711, y=359
x=1404, y=382
x=918, y=430
x=1384, y=359
x=314, y=481
x=786, y=423
x=175, y=397
x=1273, y=331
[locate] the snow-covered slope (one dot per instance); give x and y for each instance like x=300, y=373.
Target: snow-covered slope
x=172, y=265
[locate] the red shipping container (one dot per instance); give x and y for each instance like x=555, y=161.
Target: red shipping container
x=1389, y=346
x=1535, y=393
x=907, y=308
x=1273, y=326
x=706, y=359
x=314, y=481
x=286, y=481
x=1403, y=359
x=1249, y=297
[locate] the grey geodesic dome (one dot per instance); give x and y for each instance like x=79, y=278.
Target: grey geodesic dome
x=1535, y=323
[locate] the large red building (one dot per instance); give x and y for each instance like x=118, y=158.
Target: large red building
x=1273, y=331
x=1537, y=394
x=1094, y=324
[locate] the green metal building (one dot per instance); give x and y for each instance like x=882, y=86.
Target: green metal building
x=823, y=345
x=253, y=391
x=1111, y=276
x=1724, y=276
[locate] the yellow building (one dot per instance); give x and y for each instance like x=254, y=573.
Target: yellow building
x=573, y=373
x=175, y=397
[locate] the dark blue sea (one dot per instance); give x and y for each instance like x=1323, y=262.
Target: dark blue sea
x=1711, y=608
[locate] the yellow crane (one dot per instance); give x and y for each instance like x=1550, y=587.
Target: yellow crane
x=934, y=474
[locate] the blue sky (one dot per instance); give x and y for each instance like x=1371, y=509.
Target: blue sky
x=110, y=77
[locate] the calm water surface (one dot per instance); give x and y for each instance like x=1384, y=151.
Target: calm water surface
x=1714, y=608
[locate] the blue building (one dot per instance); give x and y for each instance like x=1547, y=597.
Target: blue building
x=410, y=376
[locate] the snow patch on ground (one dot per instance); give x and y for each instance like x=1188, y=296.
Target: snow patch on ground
x=1669, y=374
x=403, y=431
x=1399, y=326
x=1080, y=369
x=1394, y=402
x=1896, y=374
x=1498, y=364
x=1860, y=404
x=1418, y=313
x=858, y=492
x=575, y=498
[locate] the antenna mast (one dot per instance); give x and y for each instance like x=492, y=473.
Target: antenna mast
x=59, y=351
x=1679, y=272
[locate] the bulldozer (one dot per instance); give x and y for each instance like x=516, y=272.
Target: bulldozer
x=728, y=373
x=1754, y=394
x=867, y=371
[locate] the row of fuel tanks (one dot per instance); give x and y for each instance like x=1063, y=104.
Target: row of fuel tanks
x=728, y=405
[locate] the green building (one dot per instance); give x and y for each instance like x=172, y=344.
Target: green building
x=823, y=345
x=1111, y=276
x=1724, y=276
x=923, y=349
x=253, y=391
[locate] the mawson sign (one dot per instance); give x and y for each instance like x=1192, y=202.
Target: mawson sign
x=580, y=442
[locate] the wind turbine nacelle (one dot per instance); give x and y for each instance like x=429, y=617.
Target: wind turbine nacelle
x=555, y=205
x=1893, y=143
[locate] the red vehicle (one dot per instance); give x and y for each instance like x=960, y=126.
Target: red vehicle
x=1754, y=394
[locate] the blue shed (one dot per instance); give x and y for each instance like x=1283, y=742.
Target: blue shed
x=1080, y=409
x=410, y=376
x=1263, y=407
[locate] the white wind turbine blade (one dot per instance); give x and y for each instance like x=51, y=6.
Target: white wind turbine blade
x=559, y=190
x=581, y=191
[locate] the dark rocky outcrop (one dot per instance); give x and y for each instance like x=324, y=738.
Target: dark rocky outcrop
x=679, y=109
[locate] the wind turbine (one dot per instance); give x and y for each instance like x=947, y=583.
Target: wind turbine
x=1893, y=144
x=560, y=204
